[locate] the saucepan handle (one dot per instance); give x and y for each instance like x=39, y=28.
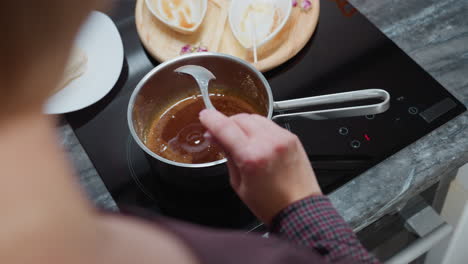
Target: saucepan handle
x=331, y=113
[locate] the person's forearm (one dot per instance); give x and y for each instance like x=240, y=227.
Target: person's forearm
x=315, y=223
x=44, y=215
x=34, y=169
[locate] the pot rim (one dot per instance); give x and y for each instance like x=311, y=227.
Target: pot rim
x=165, y=64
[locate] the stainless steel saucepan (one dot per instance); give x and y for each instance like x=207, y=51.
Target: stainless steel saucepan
x=162, y=86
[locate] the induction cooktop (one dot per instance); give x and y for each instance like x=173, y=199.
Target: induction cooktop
x=346, y=53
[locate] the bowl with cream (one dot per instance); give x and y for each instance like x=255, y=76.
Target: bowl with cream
x=258, y=20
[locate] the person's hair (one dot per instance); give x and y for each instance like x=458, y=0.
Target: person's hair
x=35, y=32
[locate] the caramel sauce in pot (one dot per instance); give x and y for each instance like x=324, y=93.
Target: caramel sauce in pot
x=177, y=134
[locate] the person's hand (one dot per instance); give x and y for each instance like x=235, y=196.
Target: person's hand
x=36, y=39
x=268, y=166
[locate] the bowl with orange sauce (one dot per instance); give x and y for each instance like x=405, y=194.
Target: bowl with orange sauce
x=183, y=16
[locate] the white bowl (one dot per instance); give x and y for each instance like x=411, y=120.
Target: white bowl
x=156, y=8
x=240, y=17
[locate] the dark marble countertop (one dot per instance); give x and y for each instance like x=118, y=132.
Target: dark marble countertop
x=435, y=34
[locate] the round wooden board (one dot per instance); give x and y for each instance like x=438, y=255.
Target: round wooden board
x=215, y=33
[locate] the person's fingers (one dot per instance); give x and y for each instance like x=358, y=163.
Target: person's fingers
x=225, y=131
x=248, y=124
x=273, y=132
x=268, y=124
x=262, y=140
x=234, y=174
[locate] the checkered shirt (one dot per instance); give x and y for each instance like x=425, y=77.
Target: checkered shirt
x=314, y=222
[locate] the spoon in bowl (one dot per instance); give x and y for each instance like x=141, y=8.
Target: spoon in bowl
x=254, y=37
x=203, y=77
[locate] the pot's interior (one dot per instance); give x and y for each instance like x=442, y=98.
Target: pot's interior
x=165, y=87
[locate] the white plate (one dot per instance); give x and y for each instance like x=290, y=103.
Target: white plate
x=100, y=40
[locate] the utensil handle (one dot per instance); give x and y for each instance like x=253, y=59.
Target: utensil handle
x=332, y=113
x=205, y=94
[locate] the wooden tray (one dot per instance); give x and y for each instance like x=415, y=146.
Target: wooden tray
x=215, y=33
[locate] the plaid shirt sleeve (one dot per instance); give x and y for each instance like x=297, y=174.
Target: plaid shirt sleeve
x=315, y=223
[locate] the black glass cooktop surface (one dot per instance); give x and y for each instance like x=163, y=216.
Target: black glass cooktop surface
x=346, y=53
